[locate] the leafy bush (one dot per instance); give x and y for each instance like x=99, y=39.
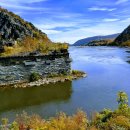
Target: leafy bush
x=34, y=77
x=60, y=122
x=115, y=120
x=120, y=121
x=77, y=72
x=4, y=121
x=14, y=126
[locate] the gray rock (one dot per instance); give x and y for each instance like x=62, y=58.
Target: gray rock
x=19, y=72
x=13, y=27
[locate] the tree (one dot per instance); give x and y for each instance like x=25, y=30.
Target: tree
x=122, y=100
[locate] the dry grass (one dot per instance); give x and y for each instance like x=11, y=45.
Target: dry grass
x=29, y=45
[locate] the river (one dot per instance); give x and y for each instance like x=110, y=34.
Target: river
x=108, y=71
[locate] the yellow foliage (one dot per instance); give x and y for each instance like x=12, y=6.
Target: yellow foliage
x=31, y=45
x=121, y=121
x=60, y=122
x=93, y=128
x=127, y=43
x=10, y=51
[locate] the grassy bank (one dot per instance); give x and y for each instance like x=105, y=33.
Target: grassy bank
x=118, y=119
x=30, y=45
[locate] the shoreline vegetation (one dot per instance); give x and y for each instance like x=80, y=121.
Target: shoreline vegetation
x=36, y=80
x=107, y=119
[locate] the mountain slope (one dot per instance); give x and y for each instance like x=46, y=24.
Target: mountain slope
x=13, y=27
x=95, y=38
x=105, y=42
x=124, y=38
x=19, y=37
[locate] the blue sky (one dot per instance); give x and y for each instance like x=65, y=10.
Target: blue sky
x=71, y=20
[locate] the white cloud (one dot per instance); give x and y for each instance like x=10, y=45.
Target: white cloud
x=50, y=31
x=18, y=4
x=121, y=1
x=74, y=35
x=101, y=9
x=110, y=20
x=22, y=1
x=52, y=25
x=30, y=1
x=127, y=20
x=63, y=15
x=48, y=23
x=15, y=6
x=104, y=28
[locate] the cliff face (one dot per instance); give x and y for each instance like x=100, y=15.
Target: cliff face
x=124, y=38
x=13, y=27
x=18, y=69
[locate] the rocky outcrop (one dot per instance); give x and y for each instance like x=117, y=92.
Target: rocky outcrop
x=13, y=28
x=18, y=69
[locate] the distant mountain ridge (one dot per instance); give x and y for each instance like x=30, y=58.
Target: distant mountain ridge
x=85, y=41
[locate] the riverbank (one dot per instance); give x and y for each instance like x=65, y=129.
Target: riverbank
x=48, y=80
x=119, y=119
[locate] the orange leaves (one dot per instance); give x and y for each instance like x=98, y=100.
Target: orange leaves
x=121, y=121
x=60, y=122
x=29, y=44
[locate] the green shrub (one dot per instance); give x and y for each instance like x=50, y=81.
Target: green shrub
x=64, y=72
x=77, y=72
x=4, y=121
x=34, y=77
x=14, y=126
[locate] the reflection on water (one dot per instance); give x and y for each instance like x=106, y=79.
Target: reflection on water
x=108, y=72
x=128, y=62
x=11, y=99
x=128, y=55
x=128, y=51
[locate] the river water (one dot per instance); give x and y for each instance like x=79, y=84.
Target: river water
x=108, y=71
